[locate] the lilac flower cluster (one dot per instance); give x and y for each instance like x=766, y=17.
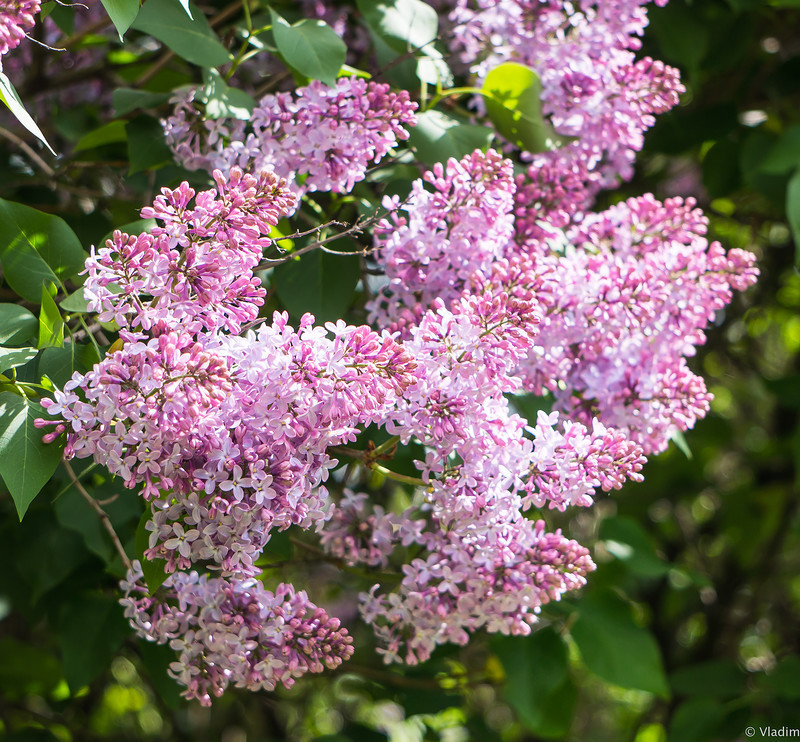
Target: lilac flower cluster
x=623, y=297
x=234, y=632
x=323, y=136
x=593, y=88
x=16, y=17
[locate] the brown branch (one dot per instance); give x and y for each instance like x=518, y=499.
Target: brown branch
x=104, y=519
x=28, y=150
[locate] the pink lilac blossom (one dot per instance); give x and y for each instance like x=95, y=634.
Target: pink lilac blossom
x=637, y=285
x=323, y=137
x=234, y=632
x=593, y=88
x=16, y=18
x=449, y=233
x=197, y=269
x=496, y=576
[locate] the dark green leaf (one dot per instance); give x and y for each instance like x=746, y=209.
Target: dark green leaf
x=438, y=136
x=17, y=324
x=9, y=96
x=318, y=282
x=713, y=678
x=615, y=648
x=74, y=303
x=26, y=669
x=95, y=616
x=36, y=249
x=154, y=574
x=793, y=211
x=512, y=93
x=126, y=100
x=311, y=47
x=109, y=134
x=630, y=543
x=122, y=13
x=784, y=680
x=51, y=326
x=537, y=686
x=59, y=364
x=695, y=721
x=402, y=24
x=157, y=659
x=25, y=462
x=146, y=145
x=784, y=155
x=193, y=40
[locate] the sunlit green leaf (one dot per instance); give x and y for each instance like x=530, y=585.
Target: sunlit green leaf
x=311, y=47
x=9, y=96
x=122, y=13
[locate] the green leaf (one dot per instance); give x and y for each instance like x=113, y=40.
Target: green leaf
x=318, y=282
x=310, y=46
x=126, y=100
x=615, y=648
x=122, y=13
x=15, y=357
x=222, y=101
x=89, y=615
x=25, y=462
x=403, y=24
x=185, y=6
x=712, y=678
x=537, y=685
x=146, y=145
x=59, y=364
x=784, y=680
x=9, y=96
x=17, y=324
x=784, y=155
x=513, y=101
x=696, y=720
x=626, y=540
x=192, y=39
x=75, y=303
x=26, y=669
x=51, y=326
x=109, y=134
x=153, y=569
x=36, y=249
x=438, y=136
x=793, y=211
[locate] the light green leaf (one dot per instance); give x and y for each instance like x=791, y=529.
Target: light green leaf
x=192, y=39
x=513, y=101
x=185, y=6
x=15, y=357
x=311, y=47
x=223, y=101
x=51, y=326
x=615, y=648
x=25, y=462
x=9, y=96
x=122, y=13
x=17, y=324
x=108, y=134
x=403, y=24
x=36, y=249
x=438, y=136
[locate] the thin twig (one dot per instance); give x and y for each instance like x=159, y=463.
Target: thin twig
x=28, y=150
x=104, y=519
